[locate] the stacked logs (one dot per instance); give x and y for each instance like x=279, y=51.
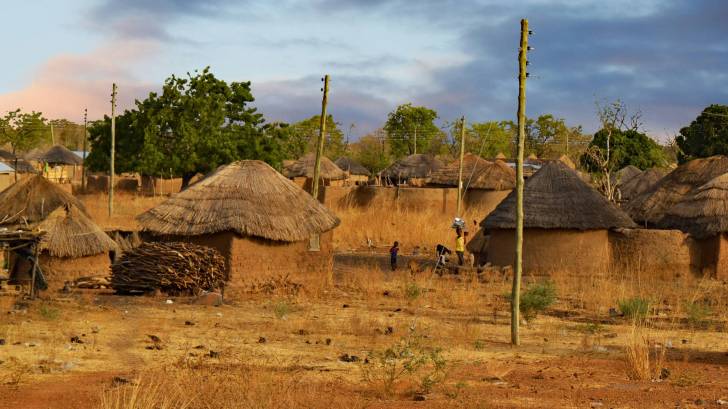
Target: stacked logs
x=173, y=268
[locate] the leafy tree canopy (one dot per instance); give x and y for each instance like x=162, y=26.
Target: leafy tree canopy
x=490, y=138
x=372, y=151
x=304, y=135
x=408, y=124
x=706, y=136
x=196, y=124
x=627, y=147
x=23, y=131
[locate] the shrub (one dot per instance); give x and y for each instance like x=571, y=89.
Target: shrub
x=48, y=312
x=635, y=308
x=281, y=309
x=412, y=291
x=536, y=299
x=697, y=313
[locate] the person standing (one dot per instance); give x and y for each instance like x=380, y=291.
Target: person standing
x=393, y=255
x=460, y=246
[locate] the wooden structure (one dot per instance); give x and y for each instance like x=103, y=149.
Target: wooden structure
x=22, y=248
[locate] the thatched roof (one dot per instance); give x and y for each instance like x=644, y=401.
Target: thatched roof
x=31, y=200
x=33, y=154
x=70, y=233
x=703, y=213
x=448, y=175
x=22, y=166
x=304, y=167
x=413, y=166
x=623, y=175
x=556, y=198
x=567, y=161
x=60, y=155
x=353, y=167
x=501, y=156
x=639, y=184
x=247, y=197
x=6, y=155
x=494, y=176
x=651, y=205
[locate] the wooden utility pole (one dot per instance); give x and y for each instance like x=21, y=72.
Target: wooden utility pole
x=113, y=148
x=322, y=137
x=85, y=138
x=415, y=150
x=460, y=171
x=516, y=291
x=53, y=137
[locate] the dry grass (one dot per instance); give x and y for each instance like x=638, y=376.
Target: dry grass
x=644, y=358
x=126, y=207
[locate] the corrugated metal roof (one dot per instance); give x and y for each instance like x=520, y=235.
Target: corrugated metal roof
x=6, y=168
x=81, y=154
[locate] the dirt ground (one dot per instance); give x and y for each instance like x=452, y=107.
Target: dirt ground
x=286, y=350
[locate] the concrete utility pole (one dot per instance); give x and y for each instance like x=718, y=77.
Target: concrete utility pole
x=322, y=136
x=460, y=172
x=113, y=148
x=85, y=138
x=517, y=271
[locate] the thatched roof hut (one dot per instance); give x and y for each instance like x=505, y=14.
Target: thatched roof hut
x=304, y=167
x=478, y=173
x=448, y=174
x=501, y=156
x=348, y=164
x=60, y=155
x=262, y=223
x=31, y=200
x=249, y=198
x=639, y=184
x=417, y=166
x=650, y=206
x=70, y=233
x=702, y=213
x=556, y=198
x=18, y=164
x=625, y=174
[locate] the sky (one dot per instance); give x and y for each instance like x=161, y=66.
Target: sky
x=667, y=59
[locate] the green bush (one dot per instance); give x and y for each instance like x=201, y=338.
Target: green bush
x=635, y=308
x=281, y=309
x=412, y=291
x=536, y=299
x=697, y=313
x=48, y=312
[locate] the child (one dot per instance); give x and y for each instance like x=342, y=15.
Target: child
x=393, y=255
x=460, y=246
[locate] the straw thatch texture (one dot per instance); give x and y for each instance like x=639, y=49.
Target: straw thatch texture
x=304, y=167
x=32, y=199
x=448, y=175
x=495, y=176
x=639, y=184
x=60, y=155
x=567, y=161
x=556, y=198
x=19, y=164
x=413, y=166
x=247, y=197
x=650, y=206
x=70, y=233
x=703, y=213
x=353, y=167
x=625, y=174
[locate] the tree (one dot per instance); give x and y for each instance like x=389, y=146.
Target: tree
x=706, y=136
x=490, y=138
x=409, y=125
x=67, y=133
x=22, y=131
x=372, y=151
x=303, y=138
x=629, y=147
x=195, y=125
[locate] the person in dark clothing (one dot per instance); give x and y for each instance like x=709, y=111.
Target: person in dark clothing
x=393, y=255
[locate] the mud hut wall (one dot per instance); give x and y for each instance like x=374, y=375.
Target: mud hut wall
x=721, y=262
x=6, y=179
x=155, y=186
x=100, y=183
x=484, y=201
x=254, y=259
x=58, y=270
x=356, y=180
x=667, y=254
x=546, y=251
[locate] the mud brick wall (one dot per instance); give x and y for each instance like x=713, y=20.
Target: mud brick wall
x=58, y=270
x=665, y=253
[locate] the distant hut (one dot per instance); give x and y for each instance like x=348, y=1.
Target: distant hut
x=62, y=164
x=650, y=206
x=7, y=176
x=413, y=170
x=302, y=172
x=18, y=164
x=356, y=173
x=485, y=183
x=73, y=246
x=625, y=174
x=31, y=200
x=262, y=223
x=704, y=215
x=639, y=184
x=566, y=225
x=501, y=156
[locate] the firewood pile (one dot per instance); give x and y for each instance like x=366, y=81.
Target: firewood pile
x=173, y=268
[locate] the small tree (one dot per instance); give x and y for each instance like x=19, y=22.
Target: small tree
x=706, y=136
x=22, y=131
x=410, y=129
x=303, y=137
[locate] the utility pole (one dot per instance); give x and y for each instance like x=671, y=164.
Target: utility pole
x=113, y=148
x=53, y=138
x=85, y=138
x=322, y=135
x=460, y=172
x=415, y=139
x=517, y=271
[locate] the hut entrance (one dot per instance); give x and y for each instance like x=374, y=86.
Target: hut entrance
x=23, y=266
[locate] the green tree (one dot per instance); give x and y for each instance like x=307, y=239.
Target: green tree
x=490, y=138
x=372, y=151
x=408, y=125
x=628, y=147
x=22, y=131
x=195, y=125
x=706, y=136
x=304, y=135
x=67, y=133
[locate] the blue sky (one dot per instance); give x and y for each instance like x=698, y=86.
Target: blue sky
x=669, y=58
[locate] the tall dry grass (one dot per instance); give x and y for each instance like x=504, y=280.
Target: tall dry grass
x=126, y=207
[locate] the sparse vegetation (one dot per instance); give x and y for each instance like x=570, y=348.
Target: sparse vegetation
x=536, y=299
x=635, y=308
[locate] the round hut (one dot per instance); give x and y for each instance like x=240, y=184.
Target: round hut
x=413, y=170
x=639, y=184
x=63, y=165
x=302, y=170
x=704, y=215
x=262, y=223
x=566, y=225
x=357, y=174
x=73, y=246
x=625, y=174
x=650, y=206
